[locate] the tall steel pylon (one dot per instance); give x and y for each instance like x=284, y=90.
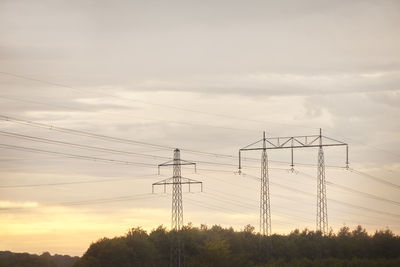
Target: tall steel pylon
x=265, y=207
x=322, y=205
x=177, y=211
x=310, y=141
x=177, y=207
x=176, y=257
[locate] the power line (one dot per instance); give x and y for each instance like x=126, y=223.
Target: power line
x=72, y=183
x=40, y=81
x=128, y=115
x=134, y=163
x=296, y=200
x=312, y=195
x=135, y=142
x=22, y=159
x=241, y=197
x=52, y=141
x=366, y=209
x=380, y=180
x=183, y=123
x=351, y=190
x=370, y=146
x=213, y=206
x=330, y=199
x=236, y=203
x=124, y=179
x=112, y=151
x=42, y=151
x=103, y=137
x=89, y=201
x=148, y=103
x=82, y=133
x=105, y=200
x=225, y=209
x=368, y=195
x=284, y=197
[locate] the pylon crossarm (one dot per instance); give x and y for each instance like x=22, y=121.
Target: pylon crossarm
x=288, y=147
x=163, y=182
x=181, y=162
x=291, y=146
x=284, y=143
x=299, y=142
x=189, y=162
x=313, y=141
x=288, y=137
x=165, y=163
x=334, y=140
x=294, y=142
x=177, y=164
x=171, y=181
x=252, y=144
x=189, y=180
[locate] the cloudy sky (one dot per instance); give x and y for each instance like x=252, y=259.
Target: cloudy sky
x=206, y=77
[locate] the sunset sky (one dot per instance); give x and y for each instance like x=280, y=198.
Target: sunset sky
x=207, y=77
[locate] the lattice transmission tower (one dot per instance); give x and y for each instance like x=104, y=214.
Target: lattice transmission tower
x=293, y=142
x=322, y=205
x=176, y=181
x=265, y=207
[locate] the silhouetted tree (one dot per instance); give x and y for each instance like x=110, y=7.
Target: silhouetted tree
x=217, y=246
x=8, y=259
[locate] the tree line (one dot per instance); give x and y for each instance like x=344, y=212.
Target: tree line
x=11, y=259
x=218, y=246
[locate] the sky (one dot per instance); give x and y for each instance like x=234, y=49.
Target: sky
x=207, y=77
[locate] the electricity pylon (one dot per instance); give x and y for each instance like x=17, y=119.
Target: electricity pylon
x=265, y=207
x=177, y=205
x=292, y=143
x=322, y=207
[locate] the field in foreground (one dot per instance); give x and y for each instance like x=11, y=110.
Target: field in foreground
x=217, y=246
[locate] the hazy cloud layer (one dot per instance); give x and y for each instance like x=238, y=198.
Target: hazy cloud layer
x=197, y=75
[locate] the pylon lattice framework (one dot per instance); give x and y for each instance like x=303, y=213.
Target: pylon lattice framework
x=265, y=207
x=177, y=203
x=292, y=143
x=322, y=207
x=177, y=207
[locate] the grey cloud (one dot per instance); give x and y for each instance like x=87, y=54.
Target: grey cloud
x=391, y=99
x=287, y=67
x=270, y=84
x=109, y=43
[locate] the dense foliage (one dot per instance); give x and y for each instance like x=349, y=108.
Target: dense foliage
x=10, y=259
x=217, y=246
